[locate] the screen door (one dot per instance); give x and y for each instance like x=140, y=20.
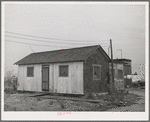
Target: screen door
x=45, y=78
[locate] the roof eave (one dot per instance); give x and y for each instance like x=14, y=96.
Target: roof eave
x=50, y=62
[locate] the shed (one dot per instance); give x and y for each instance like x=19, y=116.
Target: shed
x=70, y=71
x=127, y=69
x=118, y=70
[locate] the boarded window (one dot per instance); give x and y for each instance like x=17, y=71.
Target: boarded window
x=120, y=74
x=96, y=72
x=63, y=71
x=30, y=71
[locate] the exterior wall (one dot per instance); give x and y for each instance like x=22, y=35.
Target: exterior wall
x=29, y=83
x=127, y=71
x=118, y=83
x=91, y=85
x=73, y=84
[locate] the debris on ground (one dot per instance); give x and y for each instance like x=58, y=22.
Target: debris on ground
x=22, y=102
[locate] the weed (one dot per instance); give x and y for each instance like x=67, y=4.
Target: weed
x=62, y=104
x=38, y=99
x=51, y=102
x=10, y=82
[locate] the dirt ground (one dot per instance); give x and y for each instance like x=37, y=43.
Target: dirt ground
x=22, y=102
x=138, y=106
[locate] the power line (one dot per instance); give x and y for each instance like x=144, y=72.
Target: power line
x=54, y=38
x=44, y=41
x=31, y=43
x=31, y=48
x=39, y=45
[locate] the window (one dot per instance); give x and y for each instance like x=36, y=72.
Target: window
x=96, y=72
x=30, y=71
x=63, y=71
x=120, y=74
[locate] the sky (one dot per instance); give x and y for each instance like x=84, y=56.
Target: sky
x=68, y=25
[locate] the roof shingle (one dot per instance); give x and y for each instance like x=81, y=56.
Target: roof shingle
x=64, y=55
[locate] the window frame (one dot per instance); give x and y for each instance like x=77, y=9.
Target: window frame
x=60, y=66
x=97, y=65
x=27, y=71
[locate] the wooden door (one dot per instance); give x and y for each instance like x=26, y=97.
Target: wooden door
x=45, y=78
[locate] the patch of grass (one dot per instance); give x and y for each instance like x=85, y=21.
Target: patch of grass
x=117, y=99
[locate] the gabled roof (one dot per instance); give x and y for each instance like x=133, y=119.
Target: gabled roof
x=64, y=55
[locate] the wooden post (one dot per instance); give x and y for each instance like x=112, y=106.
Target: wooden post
x=108, y=51
x=112, y=72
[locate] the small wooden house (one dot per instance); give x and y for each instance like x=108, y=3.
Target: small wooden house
x=71, y=71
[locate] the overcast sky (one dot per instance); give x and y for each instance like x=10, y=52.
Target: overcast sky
x=88, y=24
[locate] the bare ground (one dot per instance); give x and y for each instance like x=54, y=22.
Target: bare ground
x=22, y=102
x=138, y=106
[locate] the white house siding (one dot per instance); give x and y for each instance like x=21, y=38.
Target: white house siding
x=29, y=83
x=72, y=84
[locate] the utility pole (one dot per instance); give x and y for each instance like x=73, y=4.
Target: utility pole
x=108, y=51
x=112, y=72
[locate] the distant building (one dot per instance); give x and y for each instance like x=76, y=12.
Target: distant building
x=124, y=65
x=134, y=77
x=127, y=65
x=118, y=75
